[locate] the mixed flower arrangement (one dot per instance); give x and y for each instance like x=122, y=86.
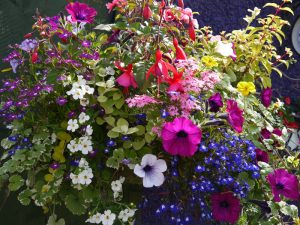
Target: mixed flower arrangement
x=154, y=105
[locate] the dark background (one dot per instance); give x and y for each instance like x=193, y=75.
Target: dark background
x=16, y=20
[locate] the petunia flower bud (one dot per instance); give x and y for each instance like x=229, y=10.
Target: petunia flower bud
x=34, y=56
x=147, y=13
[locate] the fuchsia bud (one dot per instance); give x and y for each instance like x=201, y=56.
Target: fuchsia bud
x=147, y=13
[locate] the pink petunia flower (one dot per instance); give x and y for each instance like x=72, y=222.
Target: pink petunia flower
x=116, y=3
x=283, y=183
x=261, y=156
x=266, y=97
x=181, y=137
x=235, y=116
x=225, y=207
x=81, y=12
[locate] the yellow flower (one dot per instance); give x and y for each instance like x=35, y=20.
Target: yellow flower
x=209, y=61
x=48, y=177
x=246, y=87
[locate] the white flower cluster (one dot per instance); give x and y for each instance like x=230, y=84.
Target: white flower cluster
x=82, y=144
x=85, y=175
x=82, y=118
x=107, y=218
x=124, y=215
x=80, y=88
x=116, y=187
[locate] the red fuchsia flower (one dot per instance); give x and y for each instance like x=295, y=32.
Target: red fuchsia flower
x=175, y=82
x=287, y=100
x=191, y=29
x=147, y=13
x=225, y=207
x=266, y=97
x=215, y=102
x=116, y=3
x=181, y=4
x=283, y=183
x=169, y=15
x=235, y=116
x=81, y=12
x=261, y=156
x=34, y=56
x=292, y=125
x=127, y=79
x=160, y=69
x=181, y=137
x=180, y=54
x=265, y=133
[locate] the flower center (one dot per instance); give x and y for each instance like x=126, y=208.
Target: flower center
x=279, y=186
x=182, y=134
x=224, y=204
x=147, y=168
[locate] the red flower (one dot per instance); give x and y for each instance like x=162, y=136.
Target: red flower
x=147, y=13
x=287, y=100
x=181, y=4
x=261, y=156
x=265, y=133
x=192, y=32
x=235, y=116
x=127, y=78
x=283, y=183
x=81, y=12
x=292, y=125
x=175, y=82
x=34, y=56
x=160, y=69
x=225, y=207
x=180, y=54
x=168, y=15
x=116, y=3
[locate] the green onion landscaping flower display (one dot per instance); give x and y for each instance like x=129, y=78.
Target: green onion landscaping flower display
x=150, y=120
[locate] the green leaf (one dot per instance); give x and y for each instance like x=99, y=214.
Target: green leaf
x=110, y=120
x=137, y=145
x=102, y=98
x=116, y=96
x=149, y=138
x=120, y=103
x=118, y=154
x=141, y=130
x=278, y=71
x=231, y=74
x=74, y=204
x=287, y=9
x=290, y=210
x=272, y=5
x=100, y=121
x=132, y=130
x=53, y=220
x=122, y=122
x=104, y=27
x=112, y=163
x=24, y=197
x=15, y=182
x=112, y=134
x=52, y=76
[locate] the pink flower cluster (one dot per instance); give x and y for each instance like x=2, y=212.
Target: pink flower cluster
x=206, y=82
x=186, y=104
x=140, y=101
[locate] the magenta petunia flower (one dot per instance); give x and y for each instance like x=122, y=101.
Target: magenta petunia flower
x=261, y=155
x=283, y=183
x=81, y=12
x=266, y=97
x=265, y=133
x=215, y=102
x=181, y=137
x=225, y=207
x=277, y=131
x=235, y=116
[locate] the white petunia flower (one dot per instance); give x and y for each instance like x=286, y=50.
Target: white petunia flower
x=108, y=218
x=96, y=218
x=83, y=117
x=116, y=186
x=74, y=178
x=151, y=170
x=83, y=163
x=124, y=215
x=86, y=145
x=109, y=71
x=73, y=146
x=85, y=177
x=84, y=101
x=225, y=49
x=89, y=130
x=72, y=125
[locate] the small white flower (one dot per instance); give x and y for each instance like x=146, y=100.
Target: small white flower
x=94, y=219
x=74, y=178
x=108, y=218
x=84, y=101
x=72, y=125
x=151, y=170
x=116, y=186
x=109, y=70
x=85, y=177
x=83, y=117
x=125, y=214
x=89, y=130
x=86, y=145
x=53, y=138
x=73, y=146
x=88, y=89
x=225, y=49
x=83, y=163
x=110, y=83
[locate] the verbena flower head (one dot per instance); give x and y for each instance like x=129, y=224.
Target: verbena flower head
x=225, y=207
x=246, y=88
x=181, y=137
x=235, y=116
x=151, y=170
x=215, y=102
x=266, y=97
x=283, y=183
x=81, y=12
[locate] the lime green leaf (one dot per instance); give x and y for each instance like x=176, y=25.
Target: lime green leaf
x=118, y=154
x=272, y=5
x=122, y=122
x=102, y=98
x=112, y=134
x=137, y=145
x=112, y=163
x=290, y=210
x=100, y=121
x=75, y=205
x=288, y=10
x=15, y=182
x=141, y=130
x=53, y=220
x=110, y=120
x=104, y=27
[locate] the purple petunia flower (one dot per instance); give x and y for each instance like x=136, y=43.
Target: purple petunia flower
x=261, y=156
x=61, y=101
x=215, y=102
x=266, y=96
x=181, y=137
x=235, y=116
x=28, y=44
x=81, y=12
x=14, y=64
x=225, y=207
x=283, y=183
